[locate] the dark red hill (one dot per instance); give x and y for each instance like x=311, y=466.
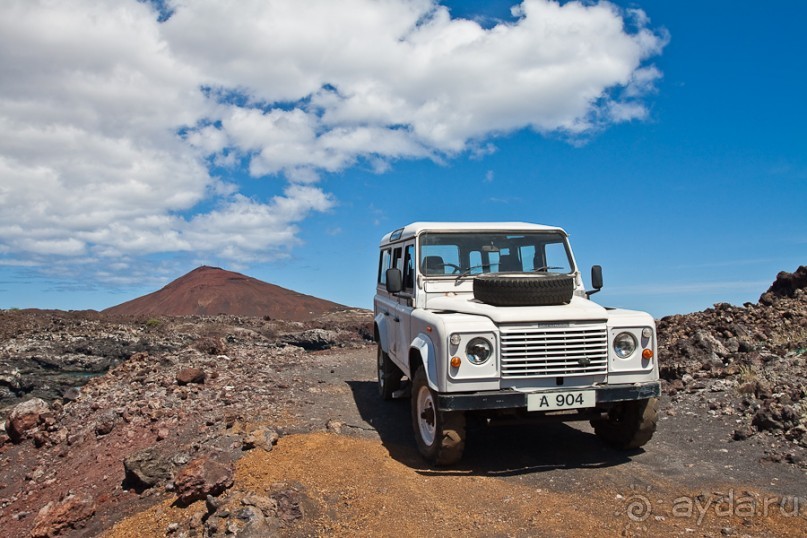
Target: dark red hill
x=208, y=291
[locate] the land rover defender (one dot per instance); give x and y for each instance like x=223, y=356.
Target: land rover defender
x=492, y=320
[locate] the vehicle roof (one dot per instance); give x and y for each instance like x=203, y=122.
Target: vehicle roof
x=416, y=228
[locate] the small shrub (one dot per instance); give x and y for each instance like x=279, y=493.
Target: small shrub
x=747, y=374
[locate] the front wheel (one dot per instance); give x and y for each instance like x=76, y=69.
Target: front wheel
x=440, y=435
x=629, y=424
x=389, y=375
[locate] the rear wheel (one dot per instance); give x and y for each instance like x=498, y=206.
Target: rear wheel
x=629, y=424
x=389, y=375
x=440, y=435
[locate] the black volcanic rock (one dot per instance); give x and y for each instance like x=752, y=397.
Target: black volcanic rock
x=786, y=284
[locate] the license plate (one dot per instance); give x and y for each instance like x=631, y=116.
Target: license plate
x=553, y=401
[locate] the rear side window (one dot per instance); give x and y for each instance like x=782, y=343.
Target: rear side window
x=397, y=259
x=384, y=263
x=409, y=268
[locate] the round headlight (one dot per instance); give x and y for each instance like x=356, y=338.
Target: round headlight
x=478, y=350
x=624, y=345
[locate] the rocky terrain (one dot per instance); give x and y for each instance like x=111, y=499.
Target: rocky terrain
x=245, y=426
x=182, y=399
x=46, y=353
x=747, y=362
x=49, y=354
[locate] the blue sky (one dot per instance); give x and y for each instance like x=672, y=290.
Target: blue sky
x=681, y=169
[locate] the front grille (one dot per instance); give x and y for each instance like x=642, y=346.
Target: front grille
x=536, y=351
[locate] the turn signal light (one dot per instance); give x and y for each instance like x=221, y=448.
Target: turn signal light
x=647, y=354
x=455, y=362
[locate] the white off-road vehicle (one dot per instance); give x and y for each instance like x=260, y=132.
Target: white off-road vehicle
x=493, y=319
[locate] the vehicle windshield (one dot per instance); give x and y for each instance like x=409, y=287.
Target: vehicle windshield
x=456, y=254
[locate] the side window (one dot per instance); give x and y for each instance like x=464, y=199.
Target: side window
x=397, y=259
x=409, y=268
x=383, y=265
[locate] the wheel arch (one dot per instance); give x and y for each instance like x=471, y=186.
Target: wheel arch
x=422, y=354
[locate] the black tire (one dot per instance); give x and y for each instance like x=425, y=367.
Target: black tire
x=629, y=424
x=389, y=375
x=440, y=435
x=524, y=289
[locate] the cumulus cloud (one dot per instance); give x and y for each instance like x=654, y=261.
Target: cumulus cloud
x=113, y=115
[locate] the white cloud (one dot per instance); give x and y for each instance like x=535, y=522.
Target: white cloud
x=356, y=70
x=110, y=119
x=245, y=229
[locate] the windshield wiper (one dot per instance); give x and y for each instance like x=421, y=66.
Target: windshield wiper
x=545, y=268
x=467, y=271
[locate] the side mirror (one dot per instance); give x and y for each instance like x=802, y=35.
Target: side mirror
x=394, y=280
x=596, y=279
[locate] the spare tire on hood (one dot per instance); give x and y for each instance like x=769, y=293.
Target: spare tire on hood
x=524, y=289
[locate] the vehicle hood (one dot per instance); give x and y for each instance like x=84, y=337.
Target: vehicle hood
x=578, y=309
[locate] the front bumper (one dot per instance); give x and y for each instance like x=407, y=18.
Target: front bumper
x=511, y=399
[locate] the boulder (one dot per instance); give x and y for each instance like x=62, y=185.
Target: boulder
x=69, y=513
x=267, y=505
x=786, y=285
x=264, y=438
x=744, y=432
x=313, y=339
x=289, y=505
x=24, y=417
x=72, y=394
x=257, y=525
x=768, y=418
x=105, y=422
x=190, y=375
x=146, y=469
x=711, y=345
x=202, y=477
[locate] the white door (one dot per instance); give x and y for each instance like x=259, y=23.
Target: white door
x=404, y=307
